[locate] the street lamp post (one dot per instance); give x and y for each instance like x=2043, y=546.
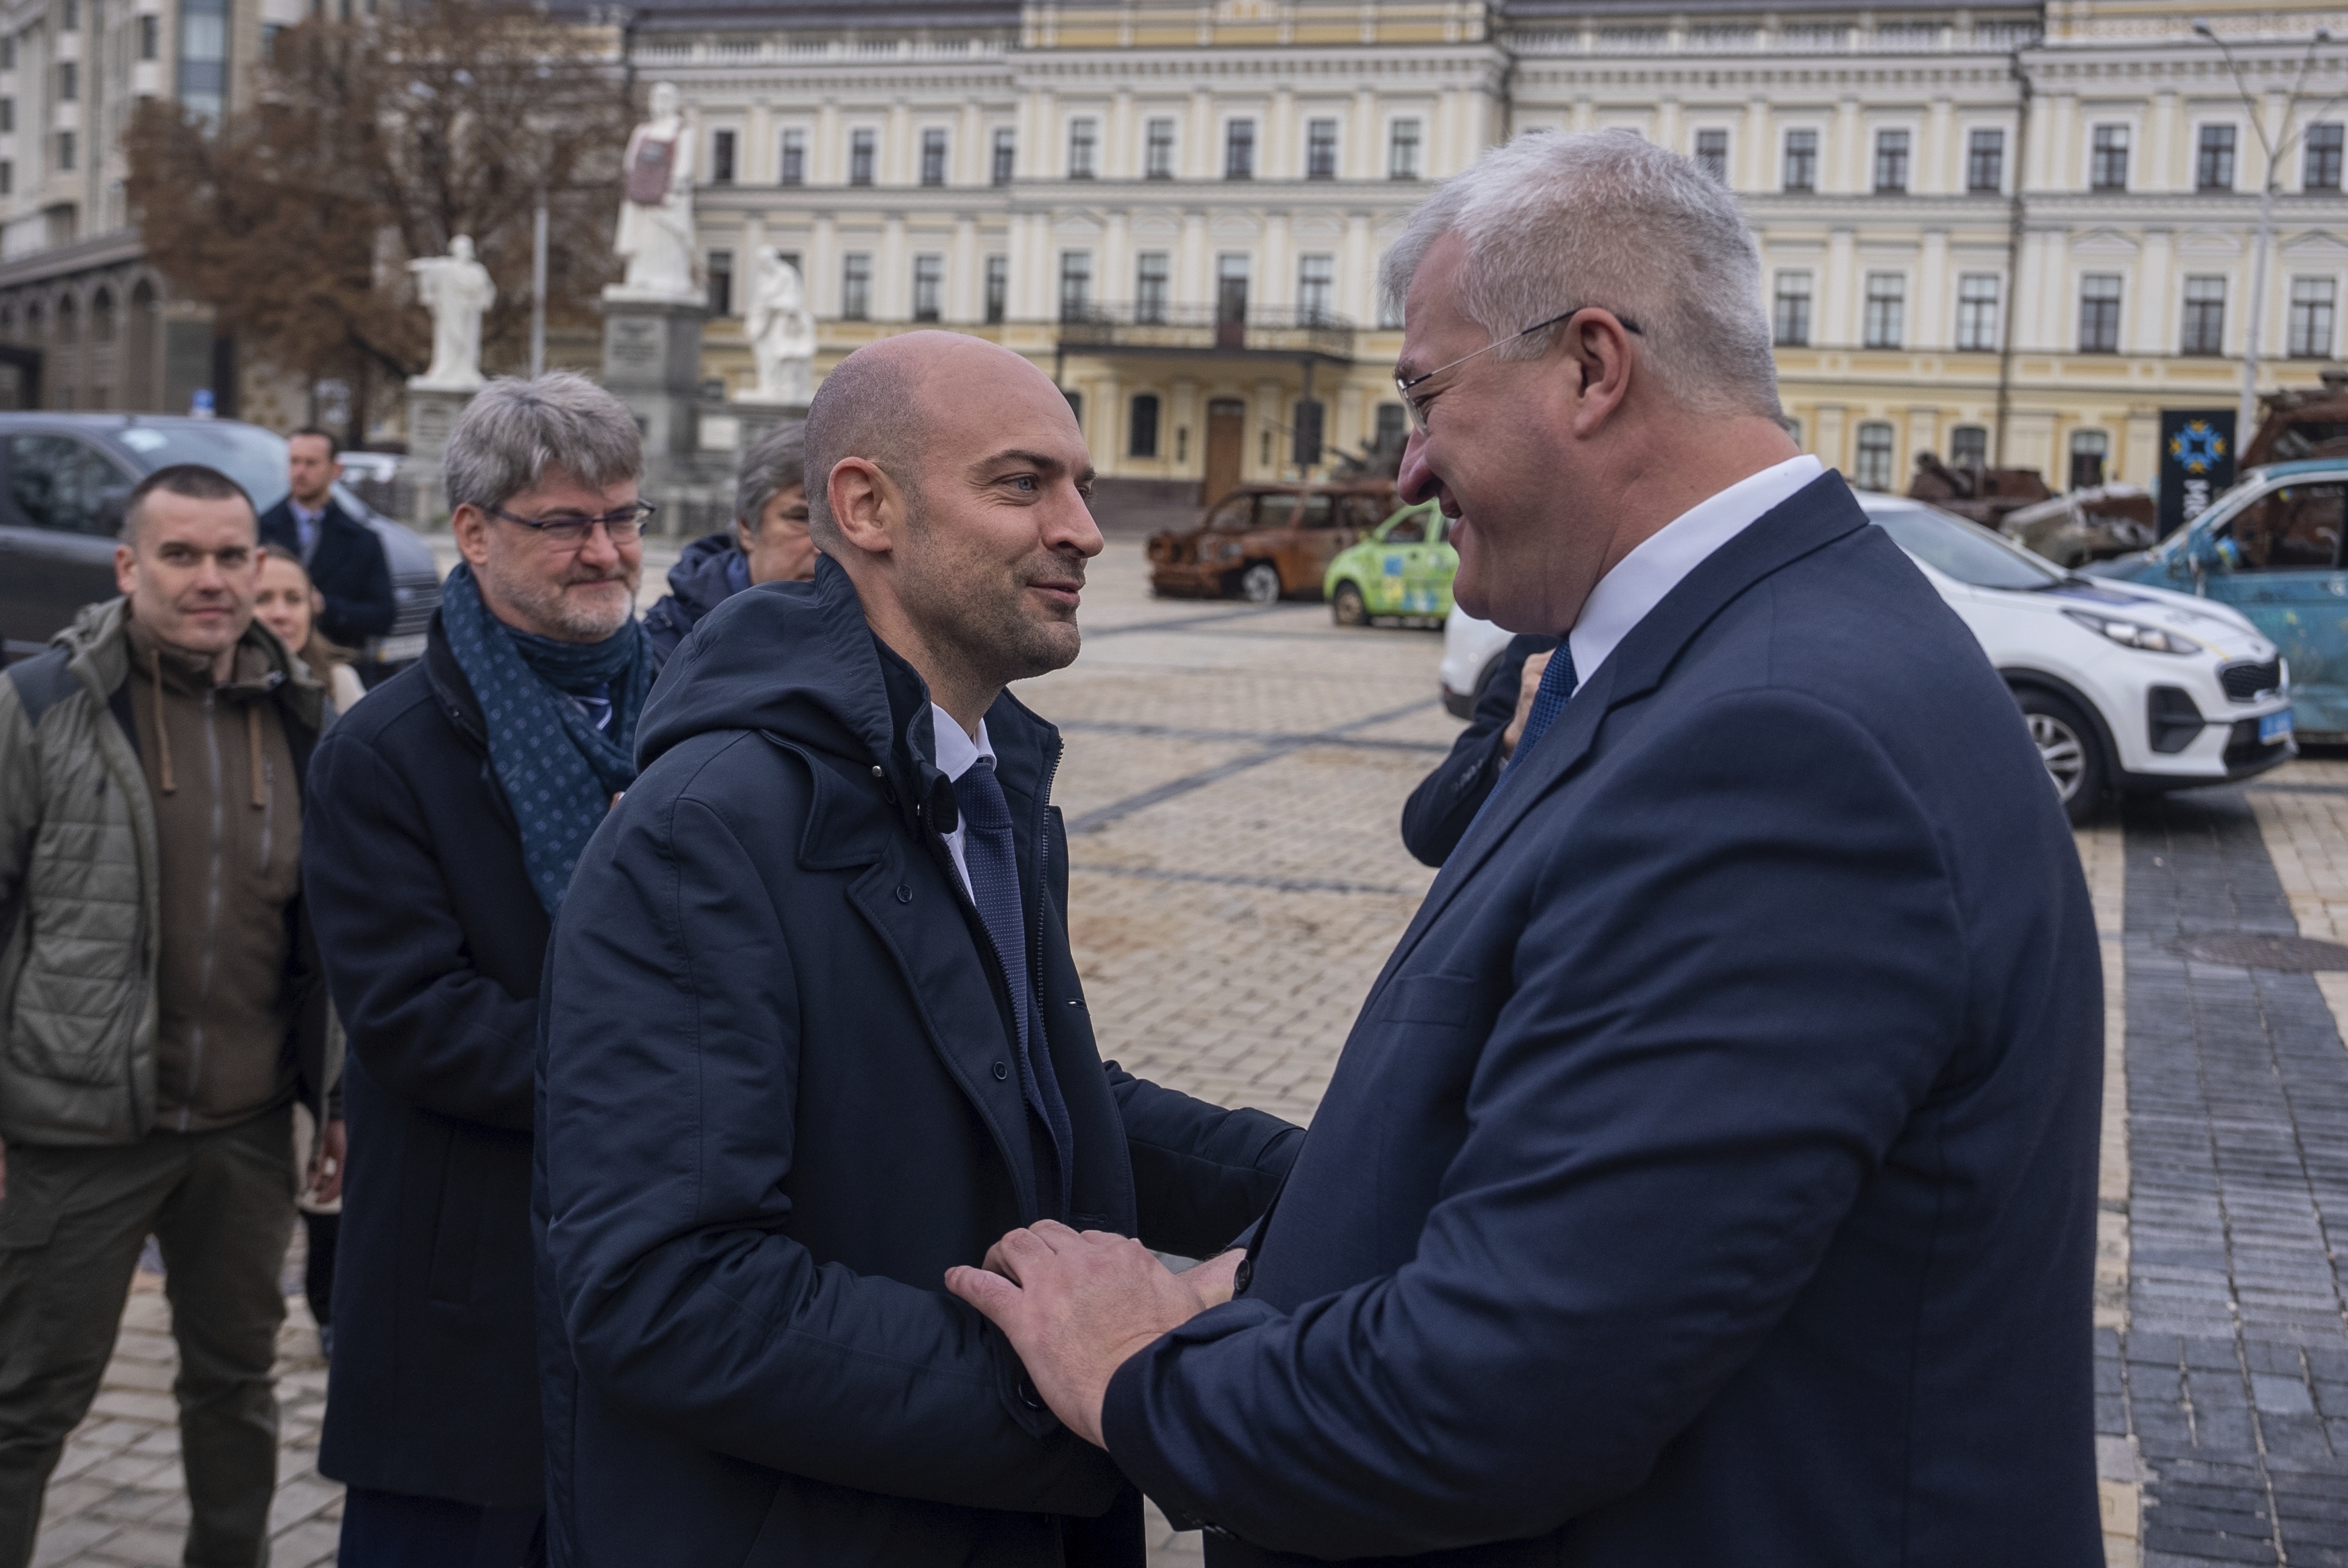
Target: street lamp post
x=538, y=287
x=2276, y=149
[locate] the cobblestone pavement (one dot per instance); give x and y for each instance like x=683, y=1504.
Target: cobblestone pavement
x=1233, y=784
x=2222, y=1381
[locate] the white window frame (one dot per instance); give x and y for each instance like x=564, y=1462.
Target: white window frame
x=1386, y=145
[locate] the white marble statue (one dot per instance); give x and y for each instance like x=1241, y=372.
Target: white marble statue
x=456, y=289
x=781, y=330
x=656, y=235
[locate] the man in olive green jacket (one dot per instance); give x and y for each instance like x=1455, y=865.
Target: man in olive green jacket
x=160, y=1006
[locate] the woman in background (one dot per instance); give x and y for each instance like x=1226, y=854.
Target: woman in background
x=288, y=604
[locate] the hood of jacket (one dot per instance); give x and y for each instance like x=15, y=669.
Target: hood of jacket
x=99, y=645
x=797, y=661
x=702, y=578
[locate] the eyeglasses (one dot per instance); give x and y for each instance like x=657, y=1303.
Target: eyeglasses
x=1417, y=406
x=623, y=526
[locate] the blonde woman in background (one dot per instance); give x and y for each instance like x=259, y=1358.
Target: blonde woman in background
x=289, y=604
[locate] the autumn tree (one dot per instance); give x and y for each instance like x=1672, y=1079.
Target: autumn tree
x=372, y=142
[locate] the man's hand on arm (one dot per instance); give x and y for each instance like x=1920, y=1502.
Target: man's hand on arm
x=325, y=1173
x=1527, y=689
x=1075, y=1305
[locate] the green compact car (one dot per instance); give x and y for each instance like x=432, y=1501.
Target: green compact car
x=1403, y=570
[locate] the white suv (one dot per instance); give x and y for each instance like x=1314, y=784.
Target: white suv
x=2126, y=688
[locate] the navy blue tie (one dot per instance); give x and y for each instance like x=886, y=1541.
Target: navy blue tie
x=1549, y=698
x=988, y=853
x=1556, y=683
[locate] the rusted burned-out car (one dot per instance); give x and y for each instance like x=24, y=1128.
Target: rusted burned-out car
x=2085, y=525
x=1984, y=495
x=1262, y=542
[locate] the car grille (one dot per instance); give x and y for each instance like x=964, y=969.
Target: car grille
x=2243, y=748
x=418, y=595
x=2246, y=682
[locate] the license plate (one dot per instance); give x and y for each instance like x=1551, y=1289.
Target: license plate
x=2274, y=727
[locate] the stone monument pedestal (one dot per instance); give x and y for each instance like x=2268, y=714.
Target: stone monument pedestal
x=757, y=420
x=652, y=363
x=431, y=414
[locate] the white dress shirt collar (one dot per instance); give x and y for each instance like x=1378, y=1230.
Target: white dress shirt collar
x=956, y=753
x=1641, y=579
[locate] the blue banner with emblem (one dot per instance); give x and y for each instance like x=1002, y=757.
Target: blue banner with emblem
x=2197, y=463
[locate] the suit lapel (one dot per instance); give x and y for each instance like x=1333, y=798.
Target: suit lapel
x=1815, y=516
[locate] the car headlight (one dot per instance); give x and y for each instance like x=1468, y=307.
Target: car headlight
x=2134, y=633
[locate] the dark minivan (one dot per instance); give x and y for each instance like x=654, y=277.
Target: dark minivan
x=65, y=477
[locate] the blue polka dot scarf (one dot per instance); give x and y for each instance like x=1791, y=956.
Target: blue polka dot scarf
x=560, y=772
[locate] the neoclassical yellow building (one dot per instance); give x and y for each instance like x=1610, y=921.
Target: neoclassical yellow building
x=2015, y=232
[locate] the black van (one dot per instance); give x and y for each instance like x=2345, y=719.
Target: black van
x=64, y=479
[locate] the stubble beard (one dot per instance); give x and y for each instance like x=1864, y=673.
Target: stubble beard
x=987, y=630
x=557, y=610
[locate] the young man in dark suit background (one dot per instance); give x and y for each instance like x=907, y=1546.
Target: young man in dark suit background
x=1710, y=1177
x=345, y=558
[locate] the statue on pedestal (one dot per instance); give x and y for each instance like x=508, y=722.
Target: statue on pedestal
x=456, y=290
x=655, y=234
x=781, y=330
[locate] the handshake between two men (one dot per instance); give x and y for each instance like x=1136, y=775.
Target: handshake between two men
x=1708, y=1178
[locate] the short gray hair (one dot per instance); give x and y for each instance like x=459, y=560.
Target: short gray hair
x=1553, y=220
x=514, y=430
x=775, y=465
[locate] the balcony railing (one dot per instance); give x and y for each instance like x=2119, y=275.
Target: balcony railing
x=1197, y=328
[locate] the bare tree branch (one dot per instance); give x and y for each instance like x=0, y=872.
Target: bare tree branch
x=374, y=141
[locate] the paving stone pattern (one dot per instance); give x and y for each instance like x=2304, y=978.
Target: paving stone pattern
x=1233, y=781
x=2231, y=1372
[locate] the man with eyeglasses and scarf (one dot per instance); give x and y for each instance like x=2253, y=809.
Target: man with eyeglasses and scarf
x=447, y=817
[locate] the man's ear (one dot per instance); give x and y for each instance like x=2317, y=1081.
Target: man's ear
x=1599, y=349
x=471, y=526
x=124, y=556
x=865, y=504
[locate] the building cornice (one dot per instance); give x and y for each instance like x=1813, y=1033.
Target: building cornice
x=1373, y=199
x=80, y=256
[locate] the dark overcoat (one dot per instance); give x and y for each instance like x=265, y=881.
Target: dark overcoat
x=1710, y=1177
x=778, y=1100
x=349, y=569
x=433, y=939
x=704, y=578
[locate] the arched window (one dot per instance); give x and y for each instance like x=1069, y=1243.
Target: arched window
x=68, y=323
x=101, y=316
x=1142, y=437
x=1872, y=471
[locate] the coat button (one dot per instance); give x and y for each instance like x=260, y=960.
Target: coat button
x=1001, y=1070
x=904, y=894
x=1027, y=1396
x=1242, y=1276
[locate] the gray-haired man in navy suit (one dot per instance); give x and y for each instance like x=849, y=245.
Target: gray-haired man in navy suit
x=1710, y=1176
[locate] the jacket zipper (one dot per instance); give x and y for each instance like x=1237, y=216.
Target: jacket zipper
x=211, y=909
